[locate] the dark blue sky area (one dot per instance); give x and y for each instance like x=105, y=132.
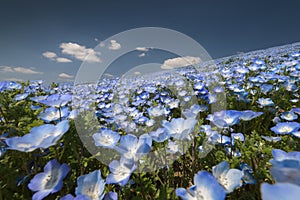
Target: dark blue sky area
x=30, y=28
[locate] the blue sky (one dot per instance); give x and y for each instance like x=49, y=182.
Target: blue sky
x=49, y=39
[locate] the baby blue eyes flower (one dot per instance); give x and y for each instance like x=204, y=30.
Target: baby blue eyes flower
x=296, y=110
x=286, y=127
x=289, y=116
x=237, y=136
x=179, y=128
x=160, y=135
x=286, y=173
x=248, y=115
x=271, y=139
x=20, y=97
x=132, y=147
x=228, y=178
x=49, y=181
x=286, y=166
x=91, y=185
x=106, y=138
x=192, y=112
x=282, y=191
x=53, y=114
x=247, y=174
x=57, y=100
x=120, y=171
x=42, y=136
x=265, y=102
x=155, y=111
x=206, y=187
x=225, y=118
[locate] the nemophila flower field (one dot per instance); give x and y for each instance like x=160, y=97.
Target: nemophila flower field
x=230, y=131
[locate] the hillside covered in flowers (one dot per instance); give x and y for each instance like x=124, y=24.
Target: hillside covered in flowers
x=226, y=129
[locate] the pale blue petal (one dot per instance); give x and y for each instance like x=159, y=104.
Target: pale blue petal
x=280, y=191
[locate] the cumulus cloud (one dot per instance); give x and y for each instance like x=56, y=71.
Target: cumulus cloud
x=22, y=70
x=114, y=45
x=63, y=60
x=49, y=54
x=142, y=49
x=5, y=69
x=52, y=56
x=65, y=75
x=180, y=62
x=80, y=52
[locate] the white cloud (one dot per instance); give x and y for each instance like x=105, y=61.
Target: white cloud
x=65, y=75
x=52, y=56
x=49, y=54
x=63, y=60
x=80, y=52
x=26, y=70
x=5, y=69
x=114, y=45
x=142, y=49
x=23, y=70
x=180, y=62
x=142, y=55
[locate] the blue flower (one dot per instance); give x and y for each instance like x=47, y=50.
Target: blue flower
x=282, y=191
x=248, y=115
x=192, y=112
x=57, y=100
x=174, y=147
x=49, y=181
x=285, y=166
x=228, y=178
x=42, y=136
x=225, y=118
x=91, y=185
x=265, y=102
x=38, y=98
x=155, y=111
x=106, y=138
x=206, y=187
x=180, y=128
x=120, y=171
x=160, y=135
x=133, y=148
x=265, y=88
x=174, y=103
x=237, y=136
x=211, y=98
x=111, y=196
x=286, y=127
x=296, y=110
x=289, y=116
x=271, y=139
x=248, y=178
x=79, y=197
x=53, y=114
x=20, y=97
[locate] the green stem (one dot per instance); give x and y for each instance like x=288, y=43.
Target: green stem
x=2, y=113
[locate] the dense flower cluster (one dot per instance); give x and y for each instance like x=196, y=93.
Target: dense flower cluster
x=221, y=126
